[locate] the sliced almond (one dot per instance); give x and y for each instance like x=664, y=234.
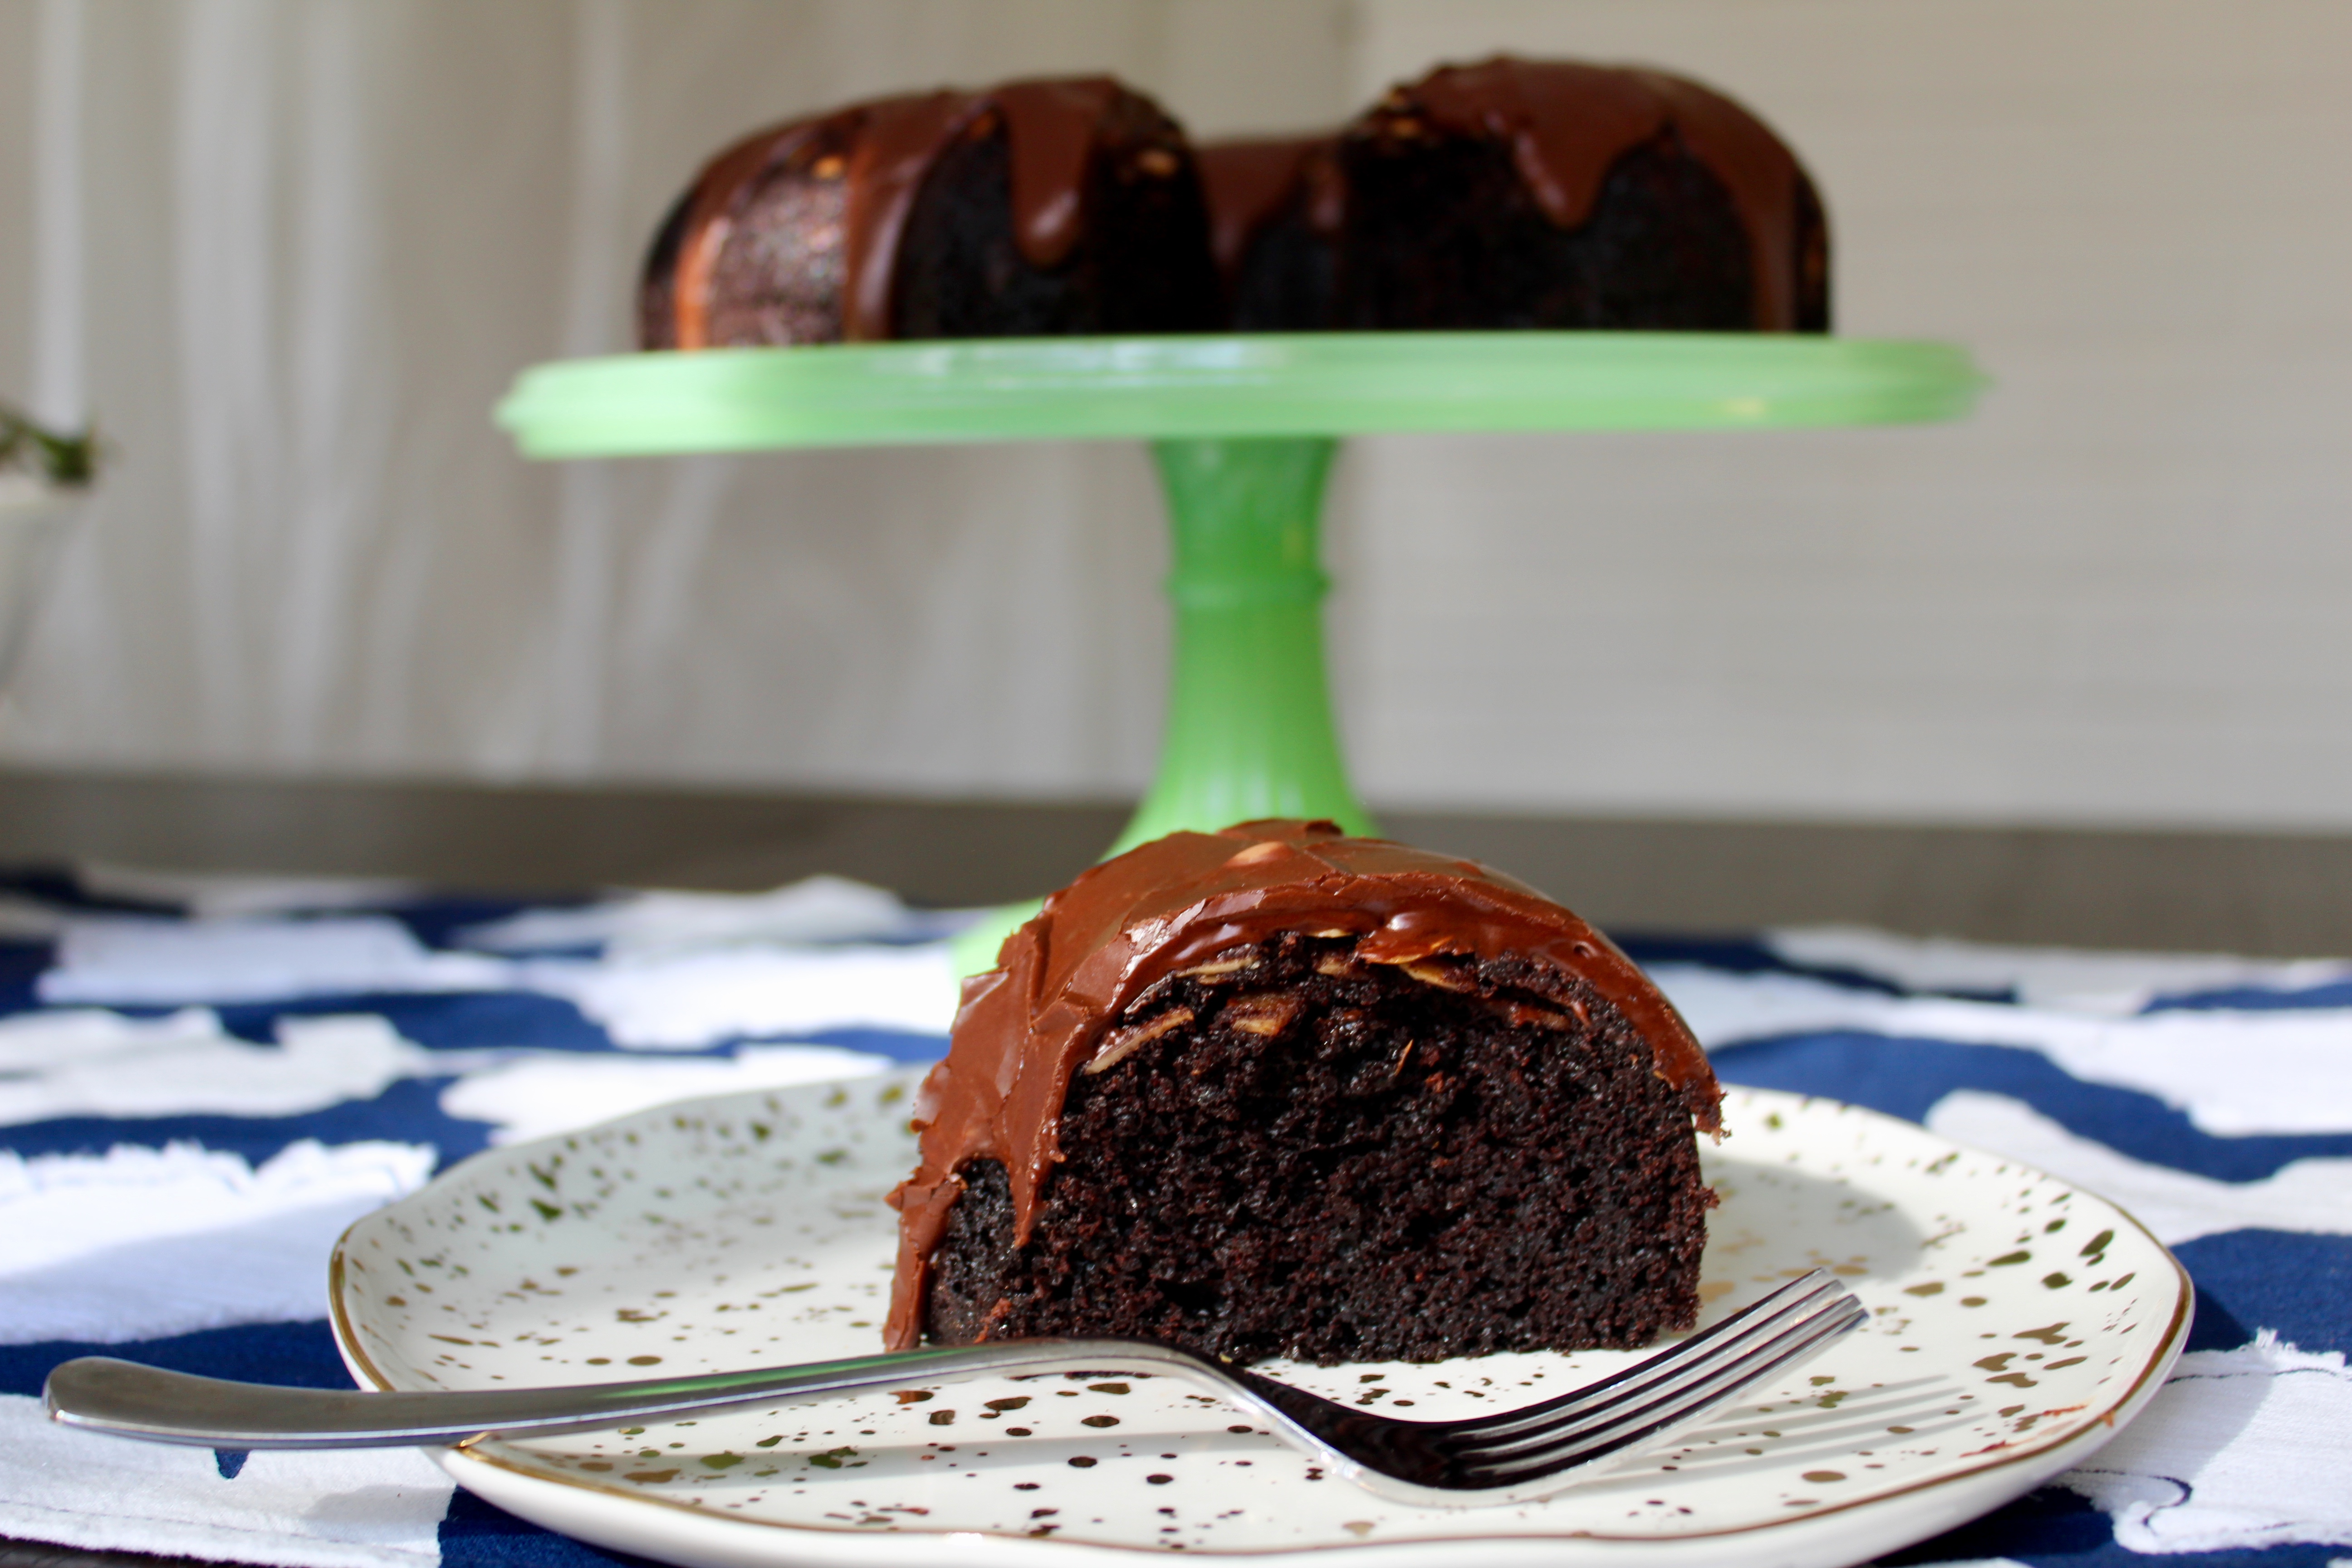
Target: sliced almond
x=1264, y=849
x=1247, y=958
x=1266, y=1012
x=1520, y=1016
x=1444, y=976
x=1334, y=964
x=1121, y=1044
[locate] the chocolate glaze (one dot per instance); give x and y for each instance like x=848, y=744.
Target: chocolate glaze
x=896, y=141
x=1247, y=183
x=1025, y=1027
x=1568, y=122
x=1052, y=129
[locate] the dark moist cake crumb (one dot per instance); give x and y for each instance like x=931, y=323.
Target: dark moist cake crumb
x=1446, y=237
x=1285, y=1150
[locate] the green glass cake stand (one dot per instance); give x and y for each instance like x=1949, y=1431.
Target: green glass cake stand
x=1244, y=428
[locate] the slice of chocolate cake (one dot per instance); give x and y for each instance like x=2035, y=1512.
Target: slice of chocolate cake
x=1519, y=192
x=1037, y=208
x=1278, y=1091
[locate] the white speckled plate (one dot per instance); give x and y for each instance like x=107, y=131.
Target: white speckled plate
x=2017, y=1324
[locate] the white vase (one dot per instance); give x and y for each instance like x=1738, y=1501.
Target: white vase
x=33, y=518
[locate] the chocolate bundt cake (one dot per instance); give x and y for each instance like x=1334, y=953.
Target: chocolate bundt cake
x=1526, y=193
x=1275, y=1090
x=1508, y=193
x=1037, y=208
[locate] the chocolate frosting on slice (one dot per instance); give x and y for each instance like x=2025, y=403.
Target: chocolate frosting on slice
x=1062, y=979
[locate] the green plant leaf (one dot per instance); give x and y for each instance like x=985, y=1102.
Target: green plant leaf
x=25, y=446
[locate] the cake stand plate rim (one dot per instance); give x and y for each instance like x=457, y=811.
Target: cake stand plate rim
x=1229, y=384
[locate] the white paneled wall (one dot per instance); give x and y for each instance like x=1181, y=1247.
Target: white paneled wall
x=289, y=251
x=2119, y=594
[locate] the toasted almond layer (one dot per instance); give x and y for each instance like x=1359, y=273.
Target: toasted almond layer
x=1444, y=976
x=1217, y=966
x=1120, y=1044
x=1264, y=1013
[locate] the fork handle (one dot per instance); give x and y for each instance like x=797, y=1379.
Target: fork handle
x=99, y=1393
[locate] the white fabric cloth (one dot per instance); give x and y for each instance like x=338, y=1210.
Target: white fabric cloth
x=534, y=1096
x=2305, y=1084
x=642, y=924
x=2063, y=979
x=2246, y=1448
x=91, y=1063
x=364, y=1509
x=2242, y=1448
x=696, y=999
x=140, y=1244
x=681, y=972
x=136, y=963
x=2314, y=1196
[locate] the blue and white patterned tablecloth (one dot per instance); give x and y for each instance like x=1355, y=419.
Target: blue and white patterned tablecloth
x=203, y=1082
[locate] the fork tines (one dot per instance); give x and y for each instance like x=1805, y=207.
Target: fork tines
x=1666, y=1391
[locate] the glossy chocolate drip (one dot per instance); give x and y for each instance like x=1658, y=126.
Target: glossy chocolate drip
x=1245, y=183
x=1053, y=130
x=1063, y=978
x=895, y=144
x=1567, y=124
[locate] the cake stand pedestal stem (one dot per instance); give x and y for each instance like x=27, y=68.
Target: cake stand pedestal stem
x=1249, y=729
x=1249, y=708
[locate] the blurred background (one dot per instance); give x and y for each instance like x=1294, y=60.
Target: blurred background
x=2074, y=671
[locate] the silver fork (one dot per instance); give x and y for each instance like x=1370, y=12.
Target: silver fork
x=1510, y=1456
